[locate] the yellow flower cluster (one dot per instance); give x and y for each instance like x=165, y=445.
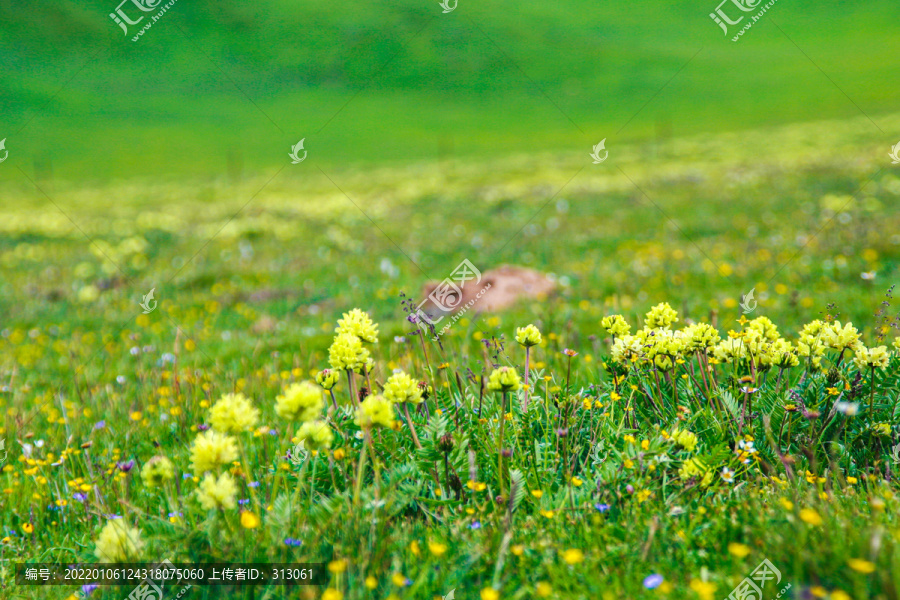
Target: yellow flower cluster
x=347, y=353
x=375, y=410
x=616, y=325
x=759, y=342
x=316, y=435
x=694, y=467
x=528, y=336
x=871, y=358
x=300, y=402
x=685, y=439
x=212, y=449
x=233, y=413
x=661, y=316
x=118, y=542
x=504, y=379
x=328, y=378
x=217, y=492
x=358, y=323
x=400, y=387
x=157, y=471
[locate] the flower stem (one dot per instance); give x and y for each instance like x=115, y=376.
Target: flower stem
x=412, y=428
x=360, y=471
x=527, y=362
x=500, y=445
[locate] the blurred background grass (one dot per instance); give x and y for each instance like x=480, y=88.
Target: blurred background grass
x=432, y=138
x=219, y=88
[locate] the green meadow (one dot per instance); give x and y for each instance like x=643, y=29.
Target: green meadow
x=210, y=354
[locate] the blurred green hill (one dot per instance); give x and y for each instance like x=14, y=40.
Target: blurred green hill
x=224, y=89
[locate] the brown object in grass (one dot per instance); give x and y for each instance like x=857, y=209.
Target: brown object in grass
x=500, y=289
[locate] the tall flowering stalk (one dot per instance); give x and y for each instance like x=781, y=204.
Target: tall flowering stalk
x=402, y=389
x=348, y=354
x=527, y=336
x=503, y=380
x=374, y=411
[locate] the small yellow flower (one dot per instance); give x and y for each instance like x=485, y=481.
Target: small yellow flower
x=840, y=595
x=861, y=566
x=852, y=480
x=371, y=582
x=518, y=549
x=399, y=579
x=249, y=520
x=337, y=566
x=704, y=589
x=490, y=594
x=437, y=548
x=332, y=594
x=810, y=516
x=547, y=514
x=537, y=493
x=27, y=527
x=576, y=481
x=739, y=550
x=786, y=504
x=573, y=556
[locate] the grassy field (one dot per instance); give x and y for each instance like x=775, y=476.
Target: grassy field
x=88, y=377
x=666, y=452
